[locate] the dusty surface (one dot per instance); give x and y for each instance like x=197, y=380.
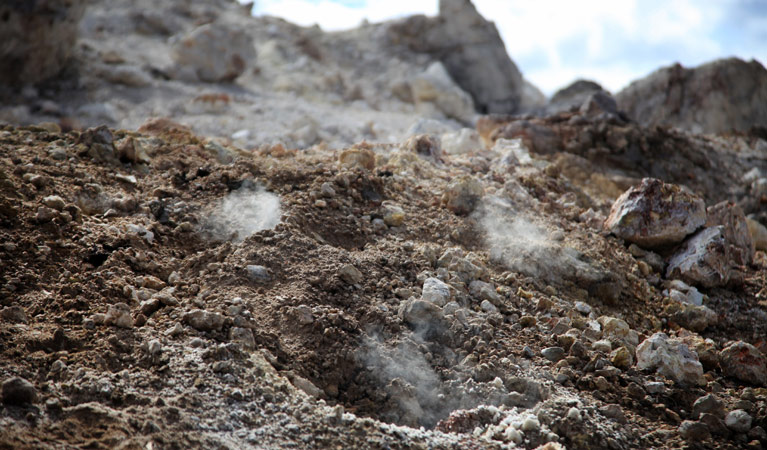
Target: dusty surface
x=286, y=264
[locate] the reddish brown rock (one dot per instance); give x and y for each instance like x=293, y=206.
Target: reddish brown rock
x=703, y=260
x=743, y=361
x=656, y=214
x=736, y=232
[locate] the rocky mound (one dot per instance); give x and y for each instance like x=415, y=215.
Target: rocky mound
x=721, y=96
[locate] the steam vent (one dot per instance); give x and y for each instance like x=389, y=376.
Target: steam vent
x=221, y=230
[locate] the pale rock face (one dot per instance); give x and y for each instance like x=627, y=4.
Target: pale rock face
x=704, y=259
x=670, y=358
x=215, y=52
x=712, y=98
x=656, y=214
x=435, y=92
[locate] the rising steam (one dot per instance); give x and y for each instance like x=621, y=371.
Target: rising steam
x=244, y=212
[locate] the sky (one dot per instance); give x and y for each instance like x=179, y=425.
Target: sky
x=555, y=42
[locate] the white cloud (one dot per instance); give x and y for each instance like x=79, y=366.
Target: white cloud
x=557, y=41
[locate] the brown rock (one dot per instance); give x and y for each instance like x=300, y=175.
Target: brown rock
x=703, y=260
x=656, y=214
x=743, y=361
x=736, y=231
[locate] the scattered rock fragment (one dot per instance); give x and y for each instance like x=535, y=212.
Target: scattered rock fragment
x=357, y=157
x=463, y=195
x=744, y=362
x=738, y=421
x=694, y=431
x=736, y=232
x=435, y=291
x=119, y=316
x=708, y=404
x=258, y=274
x=656, y=214
x=204, y=320
x=671, y=358
x=704, y=259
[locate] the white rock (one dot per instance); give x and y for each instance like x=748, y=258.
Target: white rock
x=435, y=92
x=514, y=151
x=670, y=358
x=463, y=141
x=435, y=291
x=531, y=424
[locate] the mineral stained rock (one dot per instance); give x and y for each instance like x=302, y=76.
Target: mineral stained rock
x=656, y=214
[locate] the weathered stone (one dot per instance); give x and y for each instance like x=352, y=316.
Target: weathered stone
x=656, y=214
x=393, y=215
x=357, y=157
x=671, y=358
x=738, y=421
x=37, y=38
x=424, y=145
x=708, y=404
x=715, y=97
x=215, y=52
x=704, y=259
x=622, y=358
x=758, y=234
x=553, y=354
x=18, y=391
x=119, y=316
x=350, y=274
x=736, y=232
x=421, y=313
x=715, y=424
x=204, y=320
x=743, y=361
x=484, y=291
x=243, y=336
x=14, y=314
x=694, y=318
x=694, y=431
x=463, y=195
x=461, y=142
x=435, y=291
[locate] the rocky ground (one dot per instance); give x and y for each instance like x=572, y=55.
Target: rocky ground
x=566, y=278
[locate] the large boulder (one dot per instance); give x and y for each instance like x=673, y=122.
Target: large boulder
x=37, y=38
x=214, y=52
x=716, y=97
x=473, y=54
x=656, y=214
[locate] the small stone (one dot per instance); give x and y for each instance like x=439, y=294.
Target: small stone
x=119, y=316
x=304, y=313
x=622, y=358
x=670, y=358
x=204, y=320
x=527, y=321
x=488, y=307
x=744, y=362
x=393, y=215
x=708, y=404
x=583, y=308
x=738, y=421
x=553, y=354
x=258, y=274
x=614, y=412
x=715, y=424
x=18, y=391
x=463, y=195
x=574, y=414
x=326, y=190
x=655, y=387
x=656, y=214
x=350, y=274
x=531, y=423
x=602, y=345
x=243, y=336
x=694, y=431
x=176, y=330
x=14, y=314
x=484, y=291
x=435, y=291
x=357, y=157
x=55, y=202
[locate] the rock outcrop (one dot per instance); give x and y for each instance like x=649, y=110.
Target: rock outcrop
x=720, y=96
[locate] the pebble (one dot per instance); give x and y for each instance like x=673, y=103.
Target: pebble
x=738, y=421
x=258, y=274
x=204, y=320
x=531, y=423
x=435, y=291
x=574, y=414
x=553, y=354
x=350, y=274
x=463, y=195
x=708, y=404
x=694, y=431
x=488, y=307
x=393, y=215
x=583, y=308
x=55, y=202
x=18, y=391
x=119, y=316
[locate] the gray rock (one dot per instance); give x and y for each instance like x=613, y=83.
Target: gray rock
x=434, y=91
x=258, y=274
x=713, y=98
x=463, y=195
x=708, y=404
x=421, y=314
x=119, y=316
x=484, y=291
x=704, y=259
x=18, y=391
x=204, y=320
x=656, y=214
x=215, y=52
x=694, y=431
x=243, y=336
x=744, y=362
x=736, y=232
x=37, y=38
x=671, y=358
x=350, y=274
x=738, y=421
x=14, y=314
x=695, y=318
x=553, y=354
x=435, y=291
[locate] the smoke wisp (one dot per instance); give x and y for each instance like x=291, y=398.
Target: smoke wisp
x=244, y=212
